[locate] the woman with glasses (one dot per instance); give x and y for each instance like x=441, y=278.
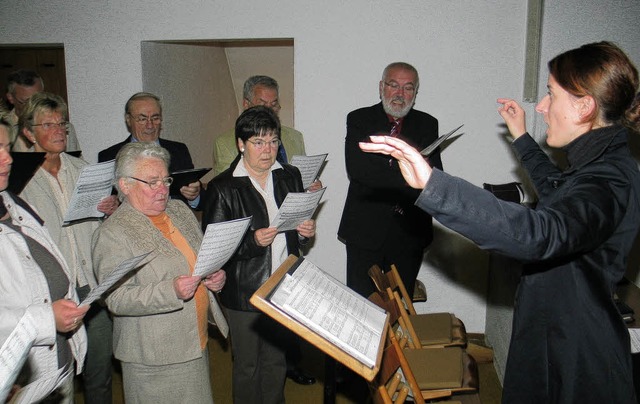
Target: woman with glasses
x=43, y=123
x=160, y=311
x=255, y=185
x=36, y=281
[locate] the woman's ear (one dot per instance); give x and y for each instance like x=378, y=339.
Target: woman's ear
x=29, y=135
x=123, y=184
x=586, y=108
x=240, y=145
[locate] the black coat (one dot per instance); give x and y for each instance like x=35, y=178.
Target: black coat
x=377, y=189
x=180, y=156
x=228, y=198
x=569, y=344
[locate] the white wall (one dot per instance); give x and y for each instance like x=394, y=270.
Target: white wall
x=468, y=54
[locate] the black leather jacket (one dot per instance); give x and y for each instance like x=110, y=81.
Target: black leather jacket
x=227, y=198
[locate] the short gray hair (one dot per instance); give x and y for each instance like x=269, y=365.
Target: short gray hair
x=253, y=81
x=141, y=96
x=403, y=66
x=132, y=153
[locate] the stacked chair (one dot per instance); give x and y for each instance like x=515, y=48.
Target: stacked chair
x=431, y=330
x=428, y=367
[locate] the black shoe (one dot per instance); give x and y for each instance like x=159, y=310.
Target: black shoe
x=298, y=376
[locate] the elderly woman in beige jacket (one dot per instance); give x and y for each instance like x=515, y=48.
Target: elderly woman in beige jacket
x=160, y=310
x=43, y=123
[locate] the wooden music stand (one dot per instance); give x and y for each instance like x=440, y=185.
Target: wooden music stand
x=262, y=300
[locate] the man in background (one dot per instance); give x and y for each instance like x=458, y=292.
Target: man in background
x=22, y=84
x=380, y=224
x=143, y=117
x=257, y=90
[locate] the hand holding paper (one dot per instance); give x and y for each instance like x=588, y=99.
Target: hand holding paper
x=296, y=208
x=218, y=245
x=93, y=185
x=309, y=167
x=117, y=274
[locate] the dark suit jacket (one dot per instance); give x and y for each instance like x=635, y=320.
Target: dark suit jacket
x=180, y=156
x=379, y=200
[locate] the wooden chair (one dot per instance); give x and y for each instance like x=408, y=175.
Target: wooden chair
x=426, y=374
x=433, y=330
x=438, y=373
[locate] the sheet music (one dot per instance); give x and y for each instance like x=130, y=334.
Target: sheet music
x=14, y=352
x=634, y=333
x=94, y=184
x=117, y=274
x=41, y=388
x=432, y=147
x=296, y=208
x=334, y=311
x=220, y=241
x=309, y=167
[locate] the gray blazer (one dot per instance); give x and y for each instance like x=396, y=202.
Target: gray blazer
x=151, y=326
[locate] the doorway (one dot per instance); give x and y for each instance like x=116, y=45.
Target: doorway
x=47, y=60
x=200, y=83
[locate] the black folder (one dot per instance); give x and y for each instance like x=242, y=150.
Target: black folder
x=24, y=166
x=186, y=177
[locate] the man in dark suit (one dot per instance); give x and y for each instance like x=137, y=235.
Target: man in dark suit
x=380, y=224
x=143, y=116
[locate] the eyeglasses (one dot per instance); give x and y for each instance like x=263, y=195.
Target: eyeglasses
x=260, y=144
x=53, y=125
x=143, y=119
x=155, y=184
x=407, y=88
x=274, y=105
x=21, y=102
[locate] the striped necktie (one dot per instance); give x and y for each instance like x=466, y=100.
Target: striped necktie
x=395, y=129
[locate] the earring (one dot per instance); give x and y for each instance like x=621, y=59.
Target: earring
x=242, y=150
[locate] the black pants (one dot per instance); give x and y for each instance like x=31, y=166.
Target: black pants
x=394, y=251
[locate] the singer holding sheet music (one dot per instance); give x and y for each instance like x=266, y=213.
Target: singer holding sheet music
x=43, y=123
x=256, y=185
x=380, y=224
x=160, y=311
x=569, y=344
x=35, y=279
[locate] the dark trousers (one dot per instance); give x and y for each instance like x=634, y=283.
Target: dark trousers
x=393, y=251
x=96, y=375
x=259, y=365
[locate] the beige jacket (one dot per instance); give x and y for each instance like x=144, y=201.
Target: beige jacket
x=151, y=326
x=73, y=240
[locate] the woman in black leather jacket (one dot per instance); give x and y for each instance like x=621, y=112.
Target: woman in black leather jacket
x=255, y=185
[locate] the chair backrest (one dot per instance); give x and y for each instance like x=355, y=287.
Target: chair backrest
x=387, y=387
x=381, y=299
x=388, y=382
x=397, y=280
x=404, y=320
x=391, y=279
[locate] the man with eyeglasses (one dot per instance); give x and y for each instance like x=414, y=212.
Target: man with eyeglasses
x=258, y=90
x=143, y=117
x=380, y=224
x=21, y=85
